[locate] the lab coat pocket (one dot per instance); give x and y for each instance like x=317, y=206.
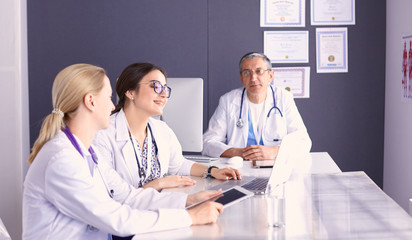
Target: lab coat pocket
x=275, y=130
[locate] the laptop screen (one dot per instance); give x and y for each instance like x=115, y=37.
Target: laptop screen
x=283, y=166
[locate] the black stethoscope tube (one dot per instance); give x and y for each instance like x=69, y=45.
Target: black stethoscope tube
x=239, y=122
x=142, y=172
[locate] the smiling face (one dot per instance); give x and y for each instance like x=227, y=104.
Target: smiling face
x=145, y=99
x=256, y=85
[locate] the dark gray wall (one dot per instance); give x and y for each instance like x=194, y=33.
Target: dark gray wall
x=344, y=114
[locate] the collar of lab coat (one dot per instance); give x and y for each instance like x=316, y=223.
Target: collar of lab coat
x=126, y=146
x=122, y=135
x=121, y=127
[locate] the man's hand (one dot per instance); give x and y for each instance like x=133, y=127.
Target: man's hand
x=258, y=152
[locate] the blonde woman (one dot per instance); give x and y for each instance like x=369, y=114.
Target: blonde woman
x=70, y=194
x=143, y=150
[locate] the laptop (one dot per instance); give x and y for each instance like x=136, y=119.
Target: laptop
x=280, y=173
x=200, y=158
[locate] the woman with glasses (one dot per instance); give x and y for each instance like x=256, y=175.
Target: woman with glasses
x=144, y=150
x=69, y=193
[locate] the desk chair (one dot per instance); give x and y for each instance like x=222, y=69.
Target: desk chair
x=3, y=232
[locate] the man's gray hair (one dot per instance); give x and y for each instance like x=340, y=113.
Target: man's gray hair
x=255, y=55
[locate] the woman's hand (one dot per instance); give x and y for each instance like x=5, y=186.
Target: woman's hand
x=201, y=196
x=170, y=182
x=226, y=173
x=205, y=213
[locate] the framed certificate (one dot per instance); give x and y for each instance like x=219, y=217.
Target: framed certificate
x=331, y=50
x=286, y=46
x=294, y=79
x=336, y=12
x=275, y=13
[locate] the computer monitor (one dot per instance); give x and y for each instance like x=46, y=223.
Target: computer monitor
x=184, y=112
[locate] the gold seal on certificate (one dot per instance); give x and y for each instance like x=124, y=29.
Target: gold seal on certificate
x=282, y=19
x=296, y=80
x=331, y=58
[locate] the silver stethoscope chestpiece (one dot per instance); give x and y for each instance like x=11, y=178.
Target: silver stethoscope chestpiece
x=239, y=123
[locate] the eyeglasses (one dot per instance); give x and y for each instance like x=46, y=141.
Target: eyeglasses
x=159, y=88
x=248, y=73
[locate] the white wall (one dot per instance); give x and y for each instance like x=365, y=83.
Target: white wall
x=14, y=126
x=398, y=115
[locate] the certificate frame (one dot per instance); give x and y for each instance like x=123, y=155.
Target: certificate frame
x=331, y=50
x=294, y=79
x=333, y=15
x=274, y=13
x=286, y=46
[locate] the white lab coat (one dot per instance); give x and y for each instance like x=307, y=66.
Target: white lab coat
x=62, y=199
x=115, y=146
x=223, y=133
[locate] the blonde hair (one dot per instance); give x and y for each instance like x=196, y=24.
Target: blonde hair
x=69, y=88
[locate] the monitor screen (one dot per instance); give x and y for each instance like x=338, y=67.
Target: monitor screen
x=184, y=112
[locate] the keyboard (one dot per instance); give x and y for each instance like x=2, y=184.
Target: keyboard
x=253, y=184
x=200, y=158
x=257, y=184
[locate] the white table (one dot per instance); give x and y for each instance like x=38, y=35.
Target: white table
x=323, y=203
x=323, y=163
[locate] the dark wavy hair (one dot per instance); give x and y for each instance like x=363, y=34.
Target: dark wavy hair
x=130, y=78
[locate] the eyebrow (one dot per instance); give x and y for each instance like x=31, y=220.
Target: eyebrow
x=150, y=81
x=158, y=81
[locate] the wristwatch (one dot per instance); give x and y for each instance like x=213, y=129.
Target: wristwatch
x=208, y=172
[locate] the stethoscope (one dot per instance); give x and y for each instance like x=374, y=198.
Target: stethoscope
x=239, y=122
x=142, y=172
x=72, y=139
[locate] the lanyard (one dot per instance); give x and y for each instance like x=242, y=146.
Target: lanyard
x=76, y=145
x=72, y=139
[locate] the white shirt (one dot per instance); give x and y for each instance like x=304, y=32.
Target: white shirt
x=256, y=117
x=223, y=133
x=62, y=199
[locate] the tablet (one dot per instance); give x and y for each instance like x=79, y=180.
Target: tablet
x=234, y=195
x=228, y=197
